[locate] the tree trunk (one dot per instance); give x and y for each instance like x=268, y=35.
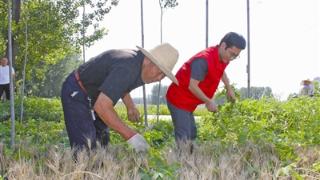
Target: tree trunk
x=16, y=11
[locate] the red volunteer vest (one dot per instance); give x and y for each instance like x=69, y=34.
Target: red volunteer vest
x=180, y=96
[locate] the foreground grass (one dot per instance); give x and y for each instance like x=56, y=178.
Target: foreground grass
x=208, y=161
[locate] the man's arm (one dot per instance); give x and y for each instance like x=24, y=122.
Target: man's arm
x=127, y=100
x=104, y=108
x=132, y=111
x=229, y=89
x=194, y=88
x=225, y=81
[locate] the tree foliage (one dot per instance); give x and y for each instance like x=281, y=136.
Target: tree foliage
x=256, y=92
x=242, y=93
x=3, y=27
x=154, y=94
x=50, y=30
x=164, y=4
x=51, y=85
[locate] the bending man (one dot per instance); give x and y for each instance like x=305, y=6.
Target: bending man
x=90, y=93
x=198, y=80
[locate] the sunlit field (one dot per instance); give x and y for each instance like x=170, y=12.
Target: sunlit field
x=251, y=139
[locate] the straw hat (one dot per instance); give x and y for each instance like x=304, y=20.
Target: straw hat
x=306, y=82
x=165, y=57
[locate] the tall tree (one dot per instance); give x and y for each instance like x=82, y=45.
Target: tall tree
x=164, y=4
x=55, y=77
x=54, y=31
x=16, y=11
x=154, y=94
x=3, y=27
x=256, y=92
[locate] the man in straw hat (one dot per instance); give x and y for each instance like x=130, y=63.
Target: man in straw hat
x=198, y=80
x=307, y=88
x=89, y=93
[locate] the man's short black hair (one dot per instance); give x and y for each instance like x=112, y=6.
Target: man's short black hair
x=234, y=39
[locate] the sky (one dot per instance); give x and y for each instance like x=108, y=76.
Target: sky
x=284, y=37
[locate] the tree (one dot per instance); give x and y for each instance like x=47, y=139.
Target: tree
x=165, y=4
x=55, y=76
x=3, y=27
x=54, y=32
x=15, y=10
x=316, y=86
x=256, y=92
x=162, y=95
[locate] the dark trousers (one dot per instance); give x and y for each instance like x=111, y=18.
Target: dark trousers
x=185, y=130
x=184, y=124
x=83, y=131
x=6, y=89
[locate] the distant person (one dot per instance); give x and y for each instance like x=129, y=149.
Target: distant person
x=307, y=88
x=90, y=93
x=198, y=80
x=5, y=78
x=316, y=79
x=316, y=85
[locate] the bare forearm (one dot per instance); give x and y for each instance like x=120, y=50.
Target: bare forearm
x=194, y=88
x=113, y=121
x=225, y=81
x=105, y=110
x=127, y=100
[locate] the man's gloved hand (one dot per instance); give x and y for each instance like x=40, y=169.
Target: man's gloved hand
x=138, y=143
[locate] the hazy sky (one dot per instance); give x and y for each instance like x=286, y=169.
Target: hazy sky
x=284, y=34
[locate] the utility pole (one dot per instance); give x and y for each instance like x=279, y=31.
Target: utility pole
x=83, y=33
x=248, y=47
x=143, y=87
x=207, y=23
x=10, y=74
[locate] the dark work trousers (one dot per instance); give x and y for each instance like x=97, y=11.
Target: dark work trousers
x=83, y=130
x=185, y=130
x=5, y=88
x=184, y=124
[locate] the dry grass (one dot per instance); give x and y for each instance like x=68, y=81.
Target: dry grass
x=208, y=161
x=60, y=165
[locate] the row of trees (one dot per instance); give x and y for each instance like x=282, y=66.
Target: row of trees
x=48, y=35
x=242, y=93
x=220, y=98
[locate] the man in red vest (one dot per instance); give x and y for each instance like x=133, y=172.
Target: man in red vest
x=198, y=80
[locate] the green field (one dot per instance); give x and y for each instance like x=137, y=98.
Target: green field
x=251, y=139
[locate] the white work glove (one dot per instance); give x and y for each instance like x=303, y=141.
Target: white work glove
x=138, y=143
